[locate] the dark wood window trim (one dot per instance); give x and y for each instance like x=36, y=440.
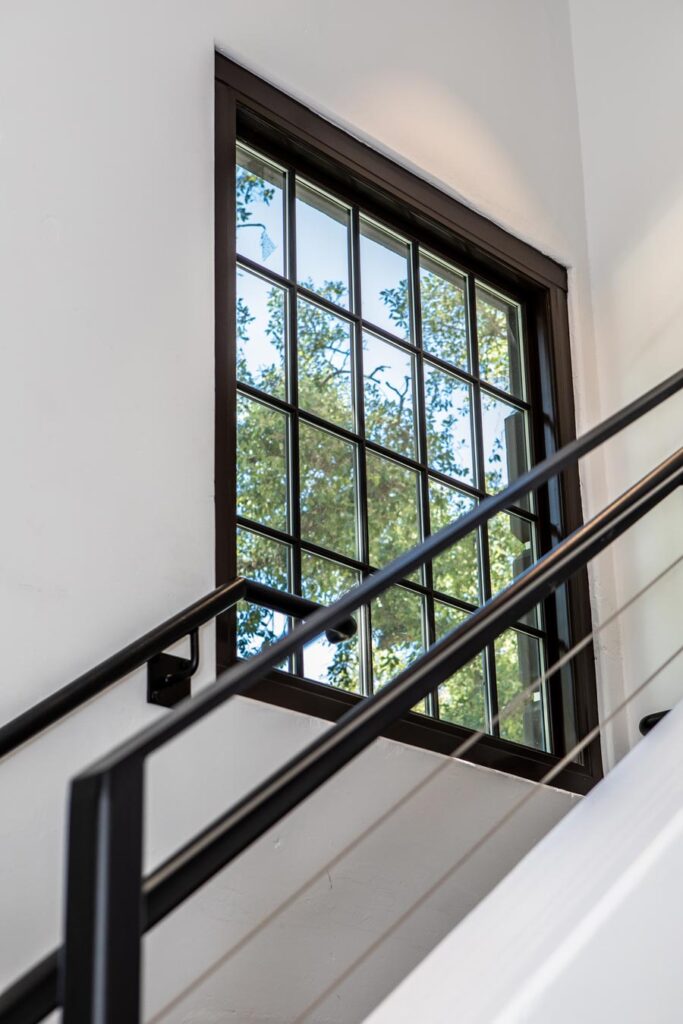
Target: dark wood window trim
x=250, y=107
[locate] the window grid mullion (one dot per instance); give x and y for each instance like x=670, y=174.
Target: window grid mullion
x=413, y=348
x=365, y=622
x=362, y=445
x=431, y=703
x=534, y=405
x=480, y=470
x=354, y=437
x=293, y=396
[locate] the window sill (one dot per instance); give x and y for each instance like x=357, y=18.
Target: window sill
x=321, y=701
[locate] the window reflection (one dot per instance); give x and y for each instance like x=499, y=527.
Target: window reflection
x=443, y=307
x=267, y=561
x=260, y=186
x=511, y=551
x=261, y=327
x=462, y=698
x=456, y=571
x=499, y=340
x=397, y=634
x=325, y=364
x=328, y=490
x=384, y=279
x=343, y=460
x=323, y=580
x=389, y=385
x=505, y=443
x=448, y=408
x=262, y=477
x=322, y=244
x=393, y=508
x=518, y=665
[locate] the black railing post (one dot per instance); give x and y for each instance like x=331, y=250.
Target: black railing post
x=101, y=979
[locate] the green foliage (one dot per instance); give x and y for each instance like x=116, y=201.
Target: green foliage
x=456, y=571
x=265, y=560
x=393, y=516
x=518, y=664
x=444, y=317
x=497, y=333
x=396, y=633
x=251, y=188
x=261, y=463
x=462, y=698
x=324, y=581
x=388, y=396
x=328, y=488
x=324, y=360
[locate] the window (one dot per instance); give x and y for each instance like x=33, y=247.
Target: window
x=374, y=382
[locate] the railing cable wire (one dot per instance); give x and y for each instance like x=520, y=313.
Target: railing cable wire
x=502, y=821
x=462, y=748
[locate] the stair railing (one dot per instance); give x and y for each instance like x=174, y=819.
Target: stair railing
x=168, y=677
x=96, y=975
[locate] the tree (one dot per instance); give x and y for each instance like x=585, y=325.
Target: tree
x=327, y=470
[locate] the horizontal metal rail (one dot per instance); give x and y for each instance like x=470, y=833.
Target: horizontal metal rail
x=242, y=677
x=36, y=994
x=60, y=703
x=223, y=840
x=193, y=865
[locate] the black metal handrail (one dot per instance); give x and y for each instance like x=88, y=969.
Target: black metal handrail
x=109, y=905
x=174, y=880
x=105, y=916
x=47, y=712
x=239, y=679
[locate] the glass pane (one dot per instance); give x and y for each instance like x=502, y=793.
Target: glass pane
x=260, y=188
x=397, y=634
x=462, y=698
x=261, y=327
x=260, y=558
x=328, y=490
x=337, y=664
x=385, y=294
x=389, y=409
x=448, y=406
x=258, y=628
x=511, y=551
x=505, y=444
x=263, y=559
x=393, y=508
x=444, y=311
x=456, y=571
x=322, y=244
x=262, y=463
x=325, y=366
x=499, y=337
x=518, y=664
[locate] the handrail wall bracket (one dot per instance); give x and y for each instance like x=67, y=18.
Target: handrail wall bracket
x=169, y=677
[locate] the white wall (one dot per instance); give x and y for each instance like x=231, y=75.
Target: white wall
x=106, y=394
x=319, y=920
x=588, y=927
x=629, y=77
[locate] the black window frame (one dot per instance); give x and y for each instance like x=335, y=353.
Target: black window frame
x=248, y=108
